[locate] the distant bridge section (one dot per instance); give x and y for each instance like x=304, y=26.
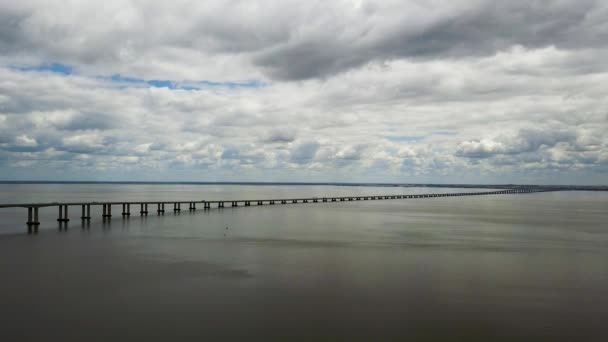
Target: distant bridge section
x=63, y=207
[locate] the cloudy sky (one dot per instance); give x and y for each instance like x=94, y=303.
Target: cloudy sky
x=465, y=91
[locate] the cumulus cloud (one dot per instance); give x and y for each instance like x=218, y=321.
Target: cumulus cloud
x=525, y=141
x=306, y=90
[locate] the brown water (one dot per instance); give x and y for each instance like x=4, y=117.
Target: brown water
x=511, y=267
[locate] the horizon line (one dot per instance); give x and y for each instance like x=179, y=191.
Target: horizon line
x=292, y=183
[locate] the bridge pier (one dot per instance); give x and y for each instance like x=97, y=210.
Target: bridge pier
x=160, y=208
x=177, y=207
x=294, y=201
x=206, y=205
x=271, y=202
x=126, y=209
x=86, y=212
x=235, y=204
x=32, y=220
x=107, y=210
x=220, y=204
x=260, y=202
x=305, y=201
x=63, y=214
x=143, y=209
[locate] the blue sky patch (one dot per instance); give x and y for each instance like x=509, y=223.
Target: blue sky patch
x=64, y=69
x=56, y=68
x=186, y=85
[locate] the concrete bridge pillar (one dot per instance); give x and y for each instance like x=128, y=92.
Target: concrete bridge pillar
x=63, y=214
x=107, y=210
x=32, y=220
x=86, y=212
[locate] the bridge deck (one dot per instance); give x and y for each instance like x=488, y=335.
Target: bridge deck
x=126, y=205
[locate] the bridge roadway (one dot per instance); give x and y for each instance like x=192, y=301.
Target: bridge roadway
x=33, y=223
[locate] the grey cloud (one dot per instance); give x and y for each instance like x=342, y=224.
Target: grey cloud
x=483, y=28
x=12, y=21
x=89, y=121
x=290, y=40
x=280, y=135
x=304, y=153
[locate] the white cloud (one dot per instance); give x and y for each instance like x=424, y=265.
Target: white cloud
x=25, y=141
x=372, y=91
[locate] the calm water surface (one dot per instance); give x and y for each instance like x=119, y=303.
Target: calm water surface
x=512, y=267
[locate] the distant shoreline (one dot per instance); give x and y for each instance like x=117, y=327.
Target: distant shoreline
x=430, y=185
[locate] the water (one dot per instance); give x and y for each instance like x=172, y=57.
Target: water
x=511, y=267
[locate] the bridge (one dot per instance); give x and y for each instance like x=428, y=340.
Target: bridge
x=63, y=212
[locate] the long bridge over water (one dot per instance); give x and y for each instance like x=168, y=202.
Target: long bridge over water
x=63, y=212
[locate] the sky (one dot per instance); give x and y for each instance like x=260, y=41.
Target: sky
x=460, y=91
